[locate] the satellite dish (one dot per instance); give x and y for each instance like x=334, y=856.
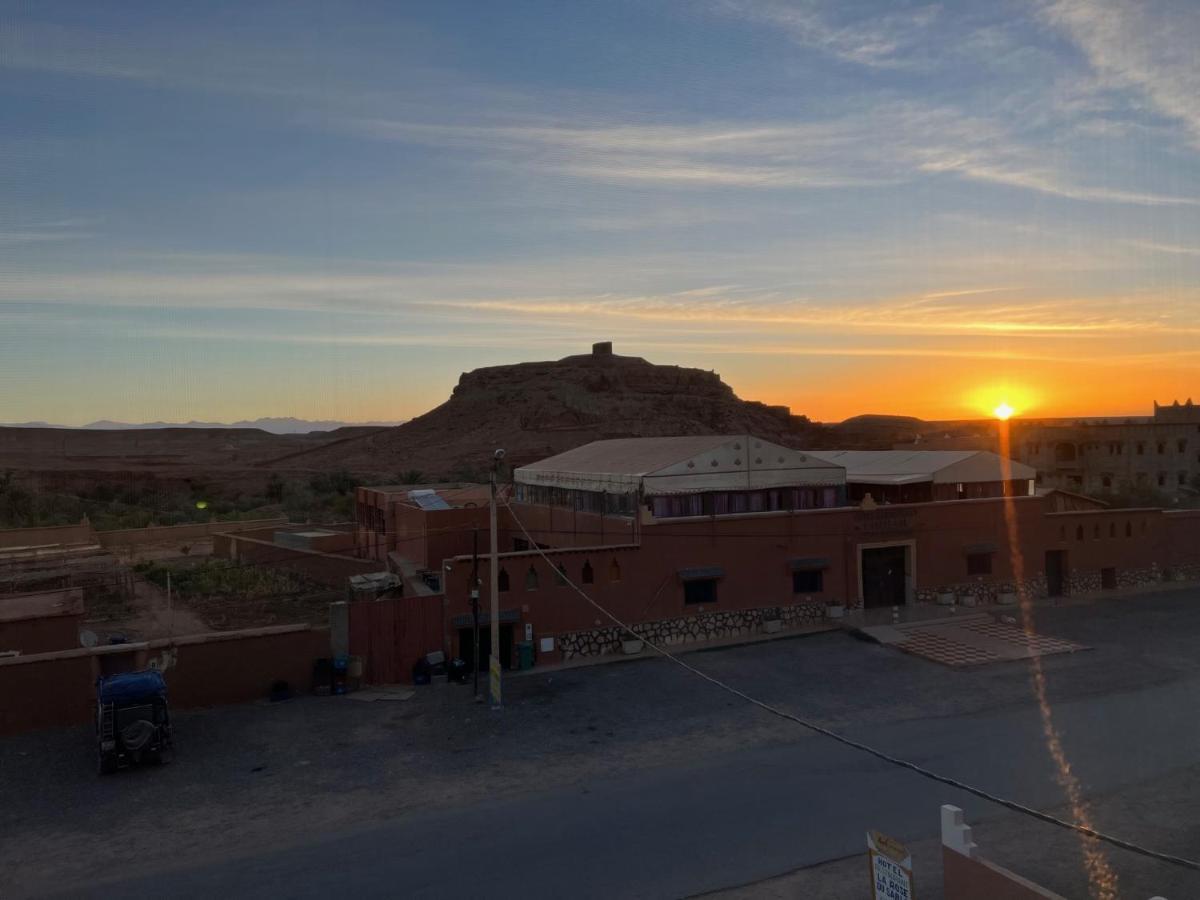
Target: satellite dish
x=88, y=638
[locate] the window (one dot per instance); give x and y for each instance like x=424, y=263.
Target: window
x=531, y=579
x=1162, y=479
x=1096, y=532
x=587, y=576
x=1108, y=578
x=502, y=579
x=1141, y=449
x=1112, y=529
x=1181, y=444
x=1107, y=482
x=1062, y=532
x=808, y=581
x=1128, y=529
x=979, y=564
x=1162, y=447
x=701, y=590
x=1183, y=477
x=1079, y=532
x=560, y=575
x=614, y=571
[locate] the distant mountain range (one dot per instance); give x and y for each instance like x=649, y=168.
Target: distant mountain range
x=272, y=424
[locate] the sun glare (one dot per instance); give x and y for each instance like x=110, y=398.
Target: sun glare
x=1003, y=412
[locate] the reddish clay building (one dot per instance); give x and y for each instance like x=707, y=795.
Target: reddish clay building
x=778, y=562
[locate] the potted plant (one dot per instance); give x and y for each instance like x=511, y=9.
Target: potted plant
x=835, y=609
x=1007, y=597
x=946, y=598
x=631, y=645
x=969, y=600
x=771, y=621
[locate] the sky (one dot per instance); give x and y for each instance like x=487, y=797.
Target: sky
x=222, y=211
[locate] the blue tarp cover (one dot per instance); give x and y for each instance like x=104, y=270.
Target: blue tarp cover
x=129, y=687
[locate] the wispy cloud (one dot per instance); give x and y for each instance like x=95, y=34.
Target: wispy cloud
x=1140, y=44
x=871, y=147
x=888, y=40
x=1156, y=247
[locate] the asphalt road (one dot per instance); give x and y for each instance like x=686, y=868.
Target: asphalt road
x=727, y=818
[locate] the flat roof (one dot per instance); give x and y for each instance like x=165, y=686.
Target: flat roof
x=41, y=605
x=681, y=464
x=630, y=456
x=917, y=466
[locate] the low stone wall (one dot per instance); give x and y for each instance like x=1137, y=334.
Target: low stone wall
x=170, y=534
x=690, y=629
x=1077, y=582
x=49, y=690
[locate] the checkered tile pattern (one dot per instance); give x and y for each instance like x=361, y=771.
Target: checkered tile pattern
x=945, y=651
x=977, y=642
x=1039, y=644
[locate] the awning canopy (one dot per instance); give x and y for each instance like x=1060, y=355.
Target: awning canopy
x=986, y=547
x=507, y=617
x=808, y=563
x=700, y=573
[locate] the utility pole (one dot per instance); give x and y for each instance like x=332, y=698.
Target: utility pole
x=494, y=578
x=475, y=607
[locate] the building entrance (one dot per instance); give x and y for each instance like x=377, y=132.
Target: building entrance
x=466, y=646
x=885, y=576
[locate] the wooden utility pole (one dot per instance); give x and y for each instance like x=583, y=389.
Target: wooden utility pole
x=494, y=578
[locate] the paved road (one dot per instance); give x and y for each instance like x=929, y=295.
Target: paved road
x=727, y=819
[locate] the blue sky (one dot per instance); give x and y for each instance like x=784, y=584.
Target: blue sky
x=222, y=211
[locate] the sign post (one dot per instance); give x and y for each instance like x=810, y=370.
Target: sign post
x=891, y=868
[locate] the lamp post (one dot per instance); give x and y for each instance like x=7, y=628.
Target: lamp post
x=494, y=578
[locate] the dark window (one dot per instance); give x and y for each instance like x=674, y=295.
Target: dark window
x=1183, y=477
x=808, y=581
x=979, y=564
x=587, y=576
x=560, y=575
x=531, y=579
x=1162, y=448
x=1108, y=578
x=502, y=579
x=1095, y=532
x=1182, y=445
x=1112, y=529
x=1107, y=482
x=1141, y=448
x=1162, y=479
x=1128, y=529
x=614, y=571
x=701, y=590
x=1079, y=532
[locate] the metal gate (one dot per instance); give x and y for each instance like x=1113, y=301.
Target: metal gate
x=392, y=633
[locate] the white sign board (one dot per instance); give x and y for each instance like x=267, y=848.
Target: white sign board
x=891, y=868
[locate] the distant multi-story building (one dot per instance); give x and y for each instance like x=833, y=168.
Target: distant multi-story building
x=1105, y=456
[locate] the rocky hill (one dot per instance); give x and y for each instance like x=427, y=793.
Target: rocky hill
x=537, y=409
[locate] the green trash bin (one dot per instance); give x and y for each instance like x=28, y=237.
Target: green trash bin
x=525, y=655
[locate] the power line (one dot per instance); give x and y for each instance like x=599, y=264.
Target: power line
x=865, y=748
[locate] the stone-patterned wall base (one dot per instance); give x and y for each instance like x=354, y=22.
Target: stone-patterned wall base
x=690, y=629
x=1077, y=581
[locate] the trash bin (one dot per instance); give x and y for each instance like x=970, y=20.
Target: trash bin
x=525, y=655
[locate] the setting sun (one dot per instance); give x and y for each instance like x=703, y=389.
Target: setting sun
x=1003, y=411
